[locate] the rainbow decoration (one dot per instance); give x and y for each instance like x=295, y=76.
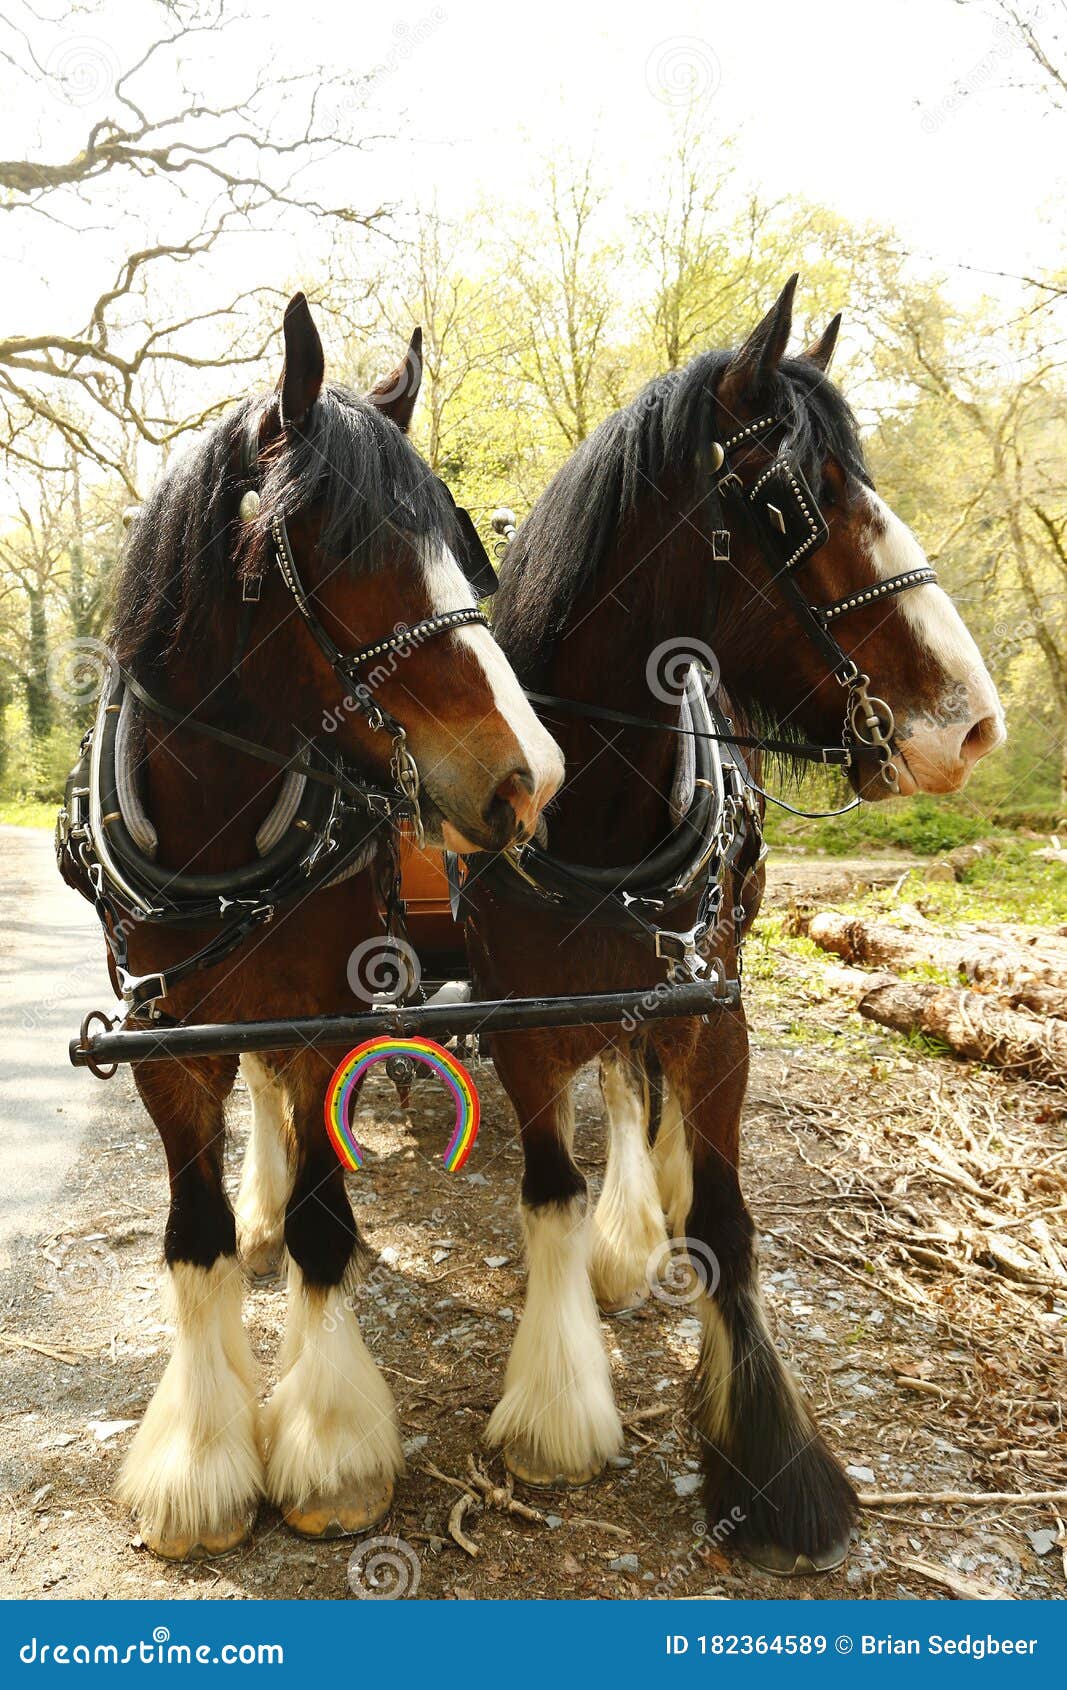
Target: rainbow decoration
x=348, y=1074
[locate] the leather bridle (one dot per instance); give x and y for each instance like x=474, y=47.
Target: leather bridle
x=349, y=666
x=338, y=825
x=789, y=528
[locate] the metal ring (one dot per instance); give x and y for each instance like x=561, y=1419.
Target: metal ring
x=106, y=1021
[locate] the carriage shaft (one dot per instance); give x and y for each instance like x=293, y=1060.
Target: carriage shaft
x=439, y=1021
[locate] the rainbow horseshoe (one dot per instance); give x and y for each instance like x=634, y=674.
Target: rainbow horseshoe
x=348, y=1074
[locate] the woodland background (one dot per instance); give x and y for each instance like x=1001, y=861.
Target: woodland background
x=536, y=326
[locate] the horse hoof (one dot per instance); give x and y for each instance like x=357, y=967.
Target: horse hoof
x=525, y=1466
x=342, y=1516
x=627, y=1304
x=262, y=1263
x=198, y=1546
x=789, y=1563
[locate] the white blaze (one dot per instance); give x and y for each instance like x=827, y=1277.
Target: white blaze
x=936, y=734
x=449, y=589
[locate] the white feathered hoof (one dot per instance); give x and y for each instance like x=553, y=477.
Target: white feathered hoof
x=332, y=1445
x=193, y=1476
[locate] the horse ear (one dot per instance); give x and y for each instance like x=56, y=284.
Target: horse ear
x=302, y=372
x=822, y=350
x=395, y=394
x=750, y=369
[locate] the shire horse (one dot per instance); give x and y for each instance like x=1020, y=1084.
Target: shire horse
x=217, y=624
x=636, y=547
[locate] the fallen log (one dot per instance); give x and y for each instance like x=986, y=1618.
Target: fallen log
x=972, y=1026
x=1030, y=981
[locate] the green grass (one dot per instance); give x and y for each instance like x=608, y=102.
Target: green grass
x=28, y=812
x=1010, y=883
x=926, y=826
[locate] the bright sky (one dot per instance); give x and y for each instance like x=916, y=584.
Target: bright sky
x=901, y=111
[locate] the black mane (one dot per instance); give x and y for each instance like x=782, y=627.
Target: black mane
x=187, y=549
x=562, y=544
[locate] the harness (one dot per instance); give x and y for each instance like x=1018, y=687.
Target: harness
x=337, y=820
x=717, y=841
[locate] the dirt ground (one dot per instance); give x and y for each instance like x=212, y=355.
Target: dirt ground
x=869, y=1167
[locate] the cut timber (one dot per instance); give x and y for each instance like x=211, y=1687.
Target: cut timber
x=973, y=1026
x=1027, y=980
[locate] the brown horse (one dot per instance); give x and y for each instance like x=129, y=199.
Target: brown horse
x=640, y=548
x=325, y=485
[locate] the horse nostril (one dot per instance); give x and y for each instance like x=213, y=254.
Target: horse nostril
x=516, y=791
x=984, y=736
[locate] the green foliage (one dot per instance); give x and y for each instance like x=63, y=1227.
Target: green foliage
x=1008, y=883
x=926, y=826
x=37, y=768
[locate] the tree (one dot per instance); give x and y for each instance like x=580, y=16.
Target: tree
x=195, y=167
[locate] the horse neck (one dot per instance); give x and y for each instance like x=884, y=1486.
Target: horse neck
x=615, y=802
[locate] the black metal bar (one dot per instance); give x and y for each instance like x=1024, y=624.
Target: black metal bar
x=440, y=1021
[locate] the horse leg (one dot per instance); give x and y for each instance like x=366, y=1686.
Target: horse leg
x=629, y=1236
x=266, y=1180
x=557, y=1419
x=673, y=1165
x=193, y=1475
x=332, y=1445
x=769, y=1477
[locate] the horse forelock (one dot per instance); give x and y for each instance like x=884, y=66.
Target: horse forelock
x=187, y=551
x=639, y=457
